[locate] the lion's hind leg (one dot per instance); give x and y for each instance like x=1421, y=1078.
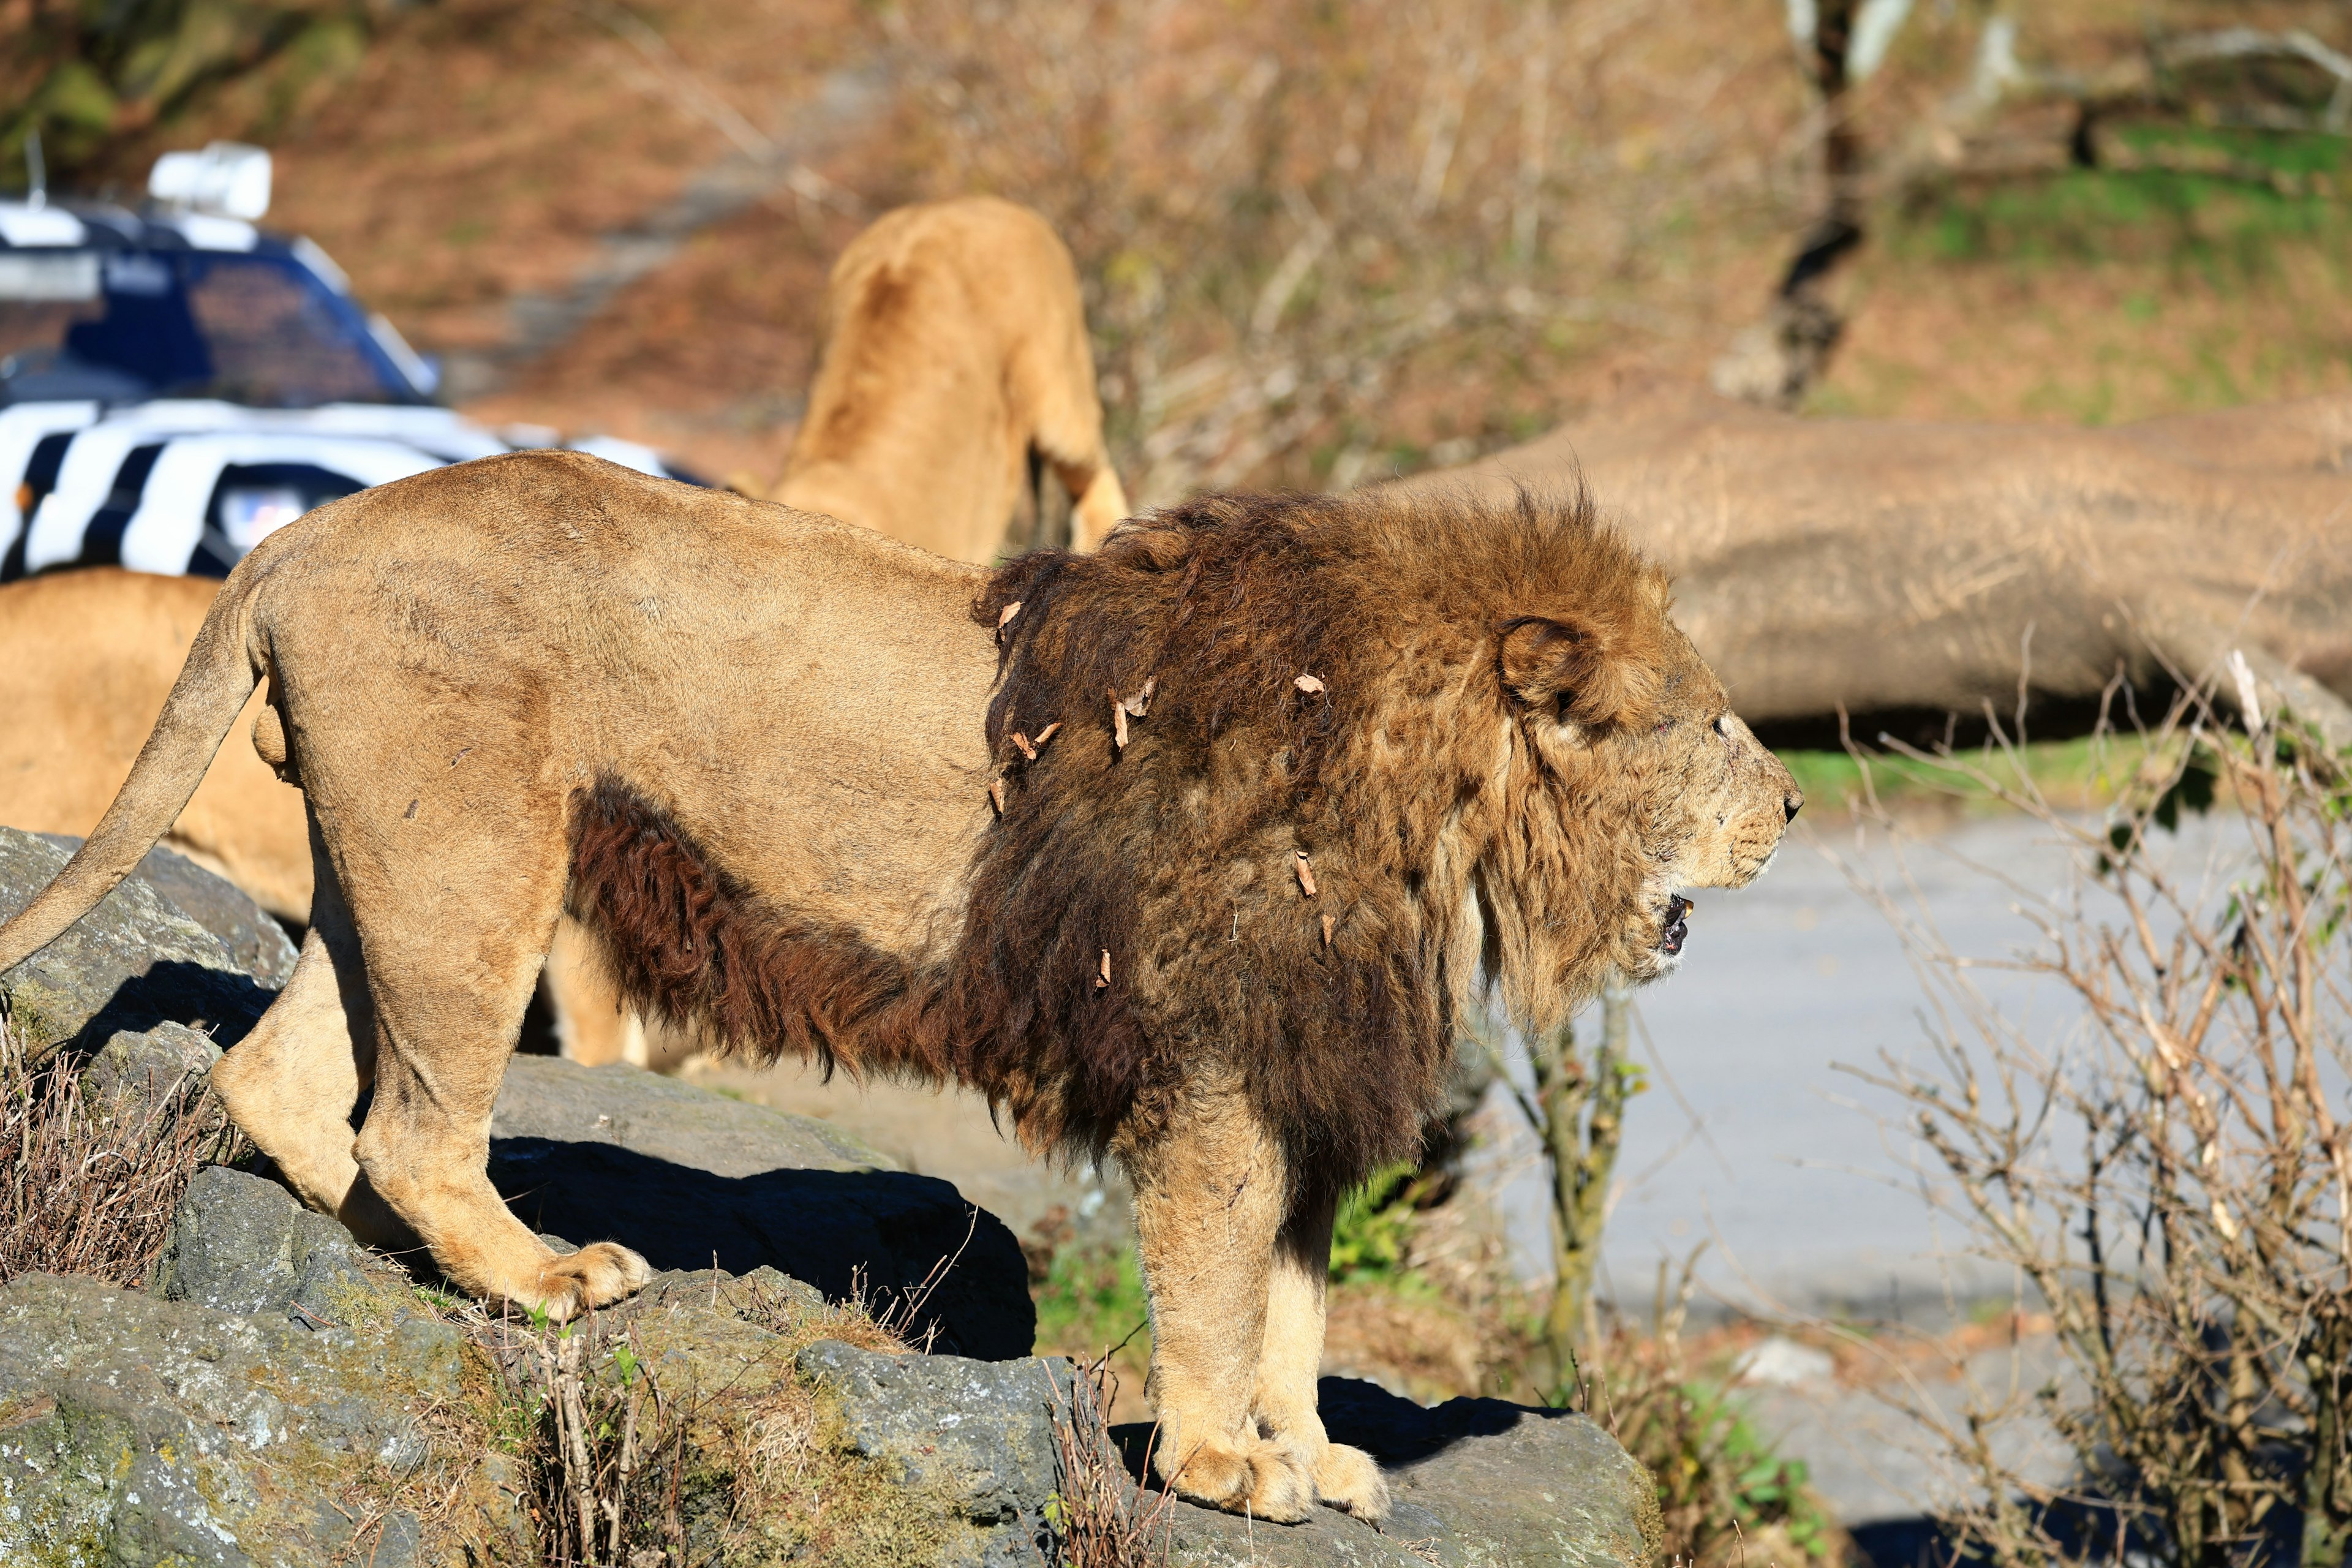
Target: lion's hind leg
x=291, y=1083
x=451, y=974
x=1284, y=1405
x=1209, y=1200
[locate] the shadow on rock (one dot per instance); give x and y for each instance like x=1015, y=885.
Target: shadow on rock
x=878, y=1233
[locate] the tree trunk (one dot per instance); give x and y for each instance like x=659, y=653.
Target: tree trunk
x=1898, y=570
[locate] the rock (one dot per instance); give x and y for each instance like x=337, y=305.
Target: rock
x=138, y=1428
x=979, y=1433
x=1475, y=1481
x=667, y=1118
x=240, y=1244
x=136, y=1072
x=693, y=1180
x=134, y=962
x=253, y=937
x=1472, y=1481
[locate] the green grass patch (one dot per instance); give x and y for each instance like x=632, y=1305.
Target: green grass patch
x=2085, y=773
x=2225, y=201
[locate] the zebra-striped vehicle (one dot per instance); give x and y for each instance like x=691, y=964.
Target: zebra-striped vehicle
x=176, y=383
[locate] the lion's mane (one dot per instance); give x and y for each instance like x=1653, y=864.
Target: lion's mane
x=1387, y=779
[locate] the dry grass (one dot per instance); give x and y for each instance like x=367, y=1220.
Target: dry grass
x=86, y=1189
x=641, y=1457
x=1099, y=1516
x=2167, y=1176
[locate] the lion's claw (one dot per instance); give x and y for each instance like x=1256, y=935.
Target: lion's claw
x=1265, y=1478
x=1348, y=1478
x=595, y=1275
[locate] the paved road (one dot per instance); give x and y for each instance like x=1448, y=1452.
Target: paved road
x=1797, y=1174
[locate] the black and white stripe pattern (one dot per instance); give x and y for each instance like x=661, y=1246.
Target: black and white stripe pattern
x=144, y=485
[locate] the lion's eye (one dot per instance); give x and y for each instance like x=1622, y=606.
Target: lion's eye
x=1718, y=726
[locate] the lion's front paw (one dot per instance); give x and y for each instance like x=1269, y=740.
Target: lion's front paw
x=600, y=1273
x=1265, y=1478
x=1346, y=1478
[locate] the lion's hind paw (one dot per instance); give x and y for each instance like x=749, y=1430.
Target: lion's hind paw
x=1265, y=1478
x=1348, y=1478
x=595, y=1275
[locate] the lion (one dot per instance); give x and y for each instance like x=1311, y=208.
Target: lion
x=1187, y=853
x=87, y=659
x=955, y=370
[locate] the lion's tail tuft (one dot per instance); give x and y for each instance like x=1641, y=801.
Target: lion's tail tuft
x=222, y=668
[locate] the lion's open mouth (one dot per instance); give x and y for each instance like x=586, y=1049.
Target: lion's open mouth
x=1670, y=941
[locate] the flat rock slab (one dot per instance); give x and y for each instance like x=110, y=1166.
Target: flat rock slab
x=136, y=961
x=669, y=1119
x=1473, y=1482
x=694, y=1181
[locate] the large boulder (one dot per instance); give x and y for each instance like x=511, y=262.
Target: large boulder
x=1475, y=1481
x=694, y=1179
x=221, y=1421
x=138, y=959
x=279, y=1396
x=252, y=935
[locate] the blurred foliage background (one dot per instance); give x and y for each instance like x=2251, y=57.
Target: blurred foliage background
x=1322, y=242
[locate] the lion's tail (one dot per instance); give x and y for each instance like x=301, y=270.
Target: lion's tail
x=224, y=666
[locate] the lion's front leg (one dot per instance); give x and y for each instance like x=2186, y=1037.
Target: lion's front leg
x=1209, y=1200
x=1284, y=1404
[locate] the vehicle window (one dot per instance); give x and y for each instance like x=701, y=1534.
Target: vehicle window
x=272, y=338
x=251, y=329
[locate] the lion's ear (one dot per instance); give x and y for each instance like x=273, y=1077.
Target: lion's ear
x=1569, y=663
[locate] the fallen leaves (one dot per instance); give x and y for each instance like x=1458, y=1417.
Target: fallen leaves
x=1328, y=926
x=1102, y=978
x=1004, y=617
x=996, y=792
x=1306, y=872
x=1307, y=683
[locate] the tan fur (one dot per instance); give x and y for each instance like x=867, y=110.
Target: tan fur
x=87, y=658
x=955, y=349
x=746, y=747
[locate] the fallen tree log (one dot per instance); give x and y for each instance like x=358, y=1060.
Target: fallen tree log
x=1895, y=568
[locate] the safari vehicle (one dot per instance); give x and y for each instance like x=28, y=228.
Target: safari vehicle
x=177, y=382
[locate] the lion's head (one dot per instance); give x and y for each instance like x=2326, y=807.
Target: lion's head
x=1315, y=765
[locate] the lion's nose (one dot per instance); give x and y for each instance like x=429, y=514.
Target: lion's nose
x=1792, y=803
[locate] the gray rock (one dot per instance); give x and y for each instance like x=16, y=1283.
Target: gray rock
x=695, y=1181
x=136, y=1430
x=1474, y=1482
x=980, y=1433
x=667, y=1118
x=252, y=935
x=134, y=962
x=240, y=1244
x=136, y=1071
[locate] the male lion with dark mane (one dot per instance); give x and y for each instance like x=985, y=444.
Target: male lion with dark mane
x=1187, y=853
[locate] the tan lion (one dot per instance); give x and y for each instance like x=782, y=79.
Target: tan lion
x=1186, y=853
x=955, y=358
x=87, y=658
